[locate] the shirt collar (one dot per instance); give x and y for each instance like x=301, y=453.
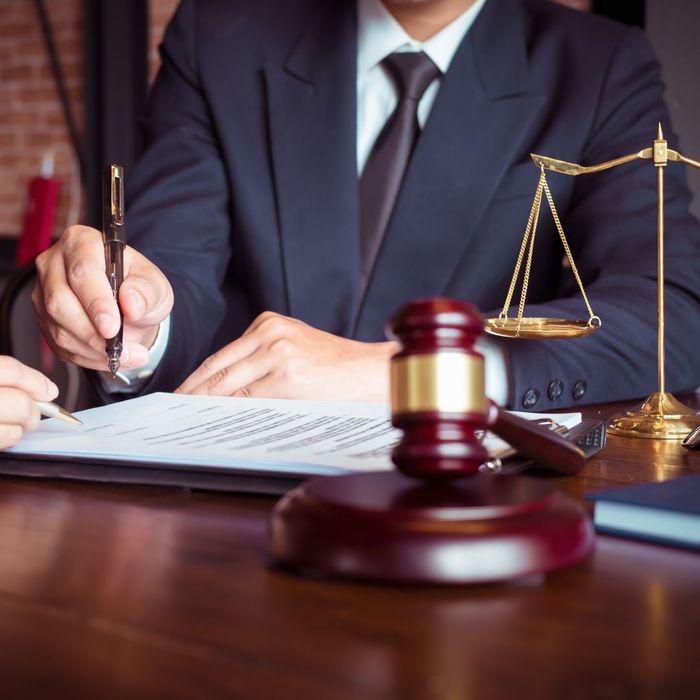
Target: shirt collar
x=379, y=34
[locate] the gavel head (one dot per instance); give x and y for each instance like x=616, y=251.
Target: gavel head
x=438, y=394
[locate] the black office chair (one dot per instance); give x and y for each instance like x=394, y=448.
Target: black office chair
x=20, y=336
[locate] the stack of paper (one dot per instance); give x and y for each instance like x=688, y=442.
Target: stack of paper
x=282, y=437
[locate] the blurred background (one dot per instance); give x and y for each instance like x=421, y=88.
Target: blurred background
x=74, y=76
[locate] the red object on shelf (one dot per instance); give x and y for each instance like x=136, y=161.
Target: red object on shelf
x=38, y=218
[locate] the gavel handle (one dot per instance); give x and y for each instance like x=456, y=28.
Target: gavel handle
x=546, y=447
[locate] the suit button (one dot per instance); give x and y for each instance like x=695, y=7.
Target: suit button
x=578, y=389
x=530, y=398
x=555, y=389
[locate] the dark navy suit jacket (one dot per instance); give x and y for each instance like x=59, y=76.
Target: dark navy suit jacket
x=247, y=196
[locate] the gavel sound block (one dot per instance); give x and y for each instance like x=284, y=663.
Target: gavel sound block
x=437, y=519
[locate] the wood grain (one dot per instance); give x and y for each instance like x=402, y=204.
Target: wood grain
x=116, y=592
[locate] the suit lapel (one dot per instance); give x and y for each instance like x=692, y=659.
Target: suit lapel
x=312, y=119
x=473, y=134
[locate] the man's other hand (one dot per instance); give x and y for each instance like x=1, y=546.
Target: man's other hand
x=76, y=310
x=280, y=357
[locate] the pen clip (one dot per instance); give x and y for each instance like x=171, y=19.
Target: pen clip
x=116, y=190
x=113, y=205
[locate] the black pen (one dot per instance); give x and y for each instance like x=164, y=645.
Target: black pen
x=113, y=238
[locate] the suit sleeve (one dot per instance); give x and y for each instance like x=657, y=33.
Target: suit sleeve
x=178, y=205
x=611, y=227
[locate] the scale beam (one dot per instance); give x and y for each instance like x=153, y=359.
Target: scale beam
x=566, y=168
x=675, y=155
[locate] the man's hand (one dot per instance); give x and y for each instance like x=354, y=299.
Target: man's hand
x=280, y=357
x=75, y=307
x=20, y=387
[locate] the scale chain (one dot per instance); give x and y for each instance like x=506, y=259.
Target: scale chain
x=528, y=264
x=592, y=318
x=531, y=222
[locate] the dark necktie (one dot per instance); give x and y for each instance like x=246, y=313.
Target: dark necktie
x=385, y=168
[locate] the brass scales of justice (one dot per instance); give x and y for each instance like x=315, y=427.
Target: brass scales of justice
x=661, y=416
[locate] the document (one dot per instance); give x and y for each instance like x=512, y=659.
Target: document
x=282, y=437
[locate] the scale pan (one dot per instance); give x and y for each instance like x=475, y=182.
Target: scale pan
x=535, y=328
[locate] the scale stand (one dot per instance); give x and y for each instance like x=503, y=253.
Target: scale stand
x=661, y=416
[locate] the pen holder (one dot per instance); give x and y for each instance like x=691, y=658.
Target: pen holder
x=435, y=519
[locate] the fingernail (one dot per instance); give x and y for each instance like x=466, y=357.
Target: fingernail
x=52, y=389
x=104, y=323
x=136, y=355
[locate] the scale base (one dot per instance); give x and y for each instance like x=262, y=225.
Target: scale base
x=662, y=417
x=383, y=526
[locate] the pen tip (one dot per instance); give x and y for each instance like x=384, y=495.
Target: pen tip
x=69, y=417
x=122, y=378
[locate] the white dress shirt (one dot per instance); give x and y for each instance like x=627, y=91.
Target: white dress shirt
x=379, y=34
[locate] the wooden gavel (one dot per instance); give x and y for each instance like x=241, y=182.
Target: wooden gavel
x=436, y=519
x=438, y=398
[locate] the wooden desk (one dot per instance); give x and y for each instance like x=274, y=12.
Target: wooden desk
x=119, y=592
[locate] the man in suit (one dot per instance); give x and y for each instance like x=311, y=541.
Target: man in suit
x=263, y=120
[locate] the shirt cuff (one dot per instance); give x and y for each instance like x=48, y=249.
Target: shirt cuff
x=496, y=371
x=130, y=381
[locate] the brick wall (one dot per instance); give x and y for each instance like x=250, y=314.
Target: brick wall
x=31, y=120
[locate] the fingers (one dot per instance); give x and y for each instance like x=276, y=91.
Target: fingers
x=20, y=387
x=146, y=296
x=87, y=350
x=75, y=307
x=14, y=374
x=65, y=323
x=214, y=371
x=266, y=388
x=83, y=260
x=262, y=349
x=18, y=408
x=10, y=435
x=72, y=299
x=231, y=380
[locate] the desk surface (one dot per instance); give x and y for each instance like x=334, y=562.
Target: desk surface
x=122, y=592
